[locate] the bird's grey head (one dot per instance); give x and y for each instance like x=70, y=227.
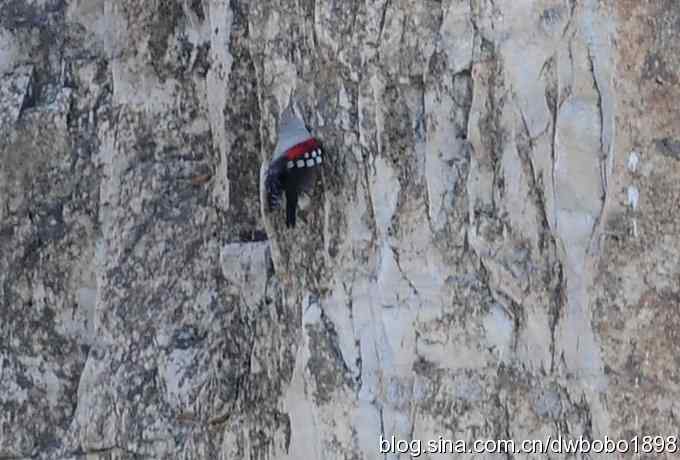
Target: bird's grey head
x=292, y=130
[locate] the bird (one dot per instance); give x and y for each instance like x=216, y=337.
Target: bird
x=295, y=162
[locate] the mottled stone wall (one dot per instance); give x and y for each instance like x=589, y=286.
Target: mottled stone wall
x=636, y=297
x=491, y=251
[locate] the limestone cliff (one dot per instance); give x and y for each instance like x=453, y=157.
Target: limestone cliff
x=492, y=250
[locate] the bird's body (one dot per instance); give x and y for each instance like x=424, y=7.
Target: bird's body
x=294, y=164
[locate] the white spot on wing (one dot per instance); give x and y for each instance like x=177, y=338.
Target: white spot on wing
x=290, y=164
x=314, y=154
x=301, y=163
x=318, y=160
x=306, y=154
x=310, y=163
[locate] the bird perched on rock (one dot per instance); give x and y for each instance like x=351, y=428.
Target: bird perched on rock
x=294, y=164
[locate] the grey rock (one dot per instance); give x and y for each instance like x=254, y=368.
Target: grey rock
x=668, y=147
x=467, y=266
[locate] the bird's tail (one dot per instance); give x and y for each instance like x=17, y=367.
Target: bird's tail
x=291, y=206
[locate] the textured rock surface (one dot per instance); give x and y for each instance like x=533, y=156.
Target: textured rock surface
x=492, y=250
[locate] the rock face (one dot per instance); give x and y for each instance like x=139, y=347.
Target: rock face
x=492, y=251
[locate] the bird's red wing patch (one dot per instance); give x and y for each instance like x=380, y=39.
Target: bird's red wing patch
x=298, y=151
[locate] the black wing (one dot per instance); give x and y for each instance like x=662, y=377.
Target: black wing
x=275, y=182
